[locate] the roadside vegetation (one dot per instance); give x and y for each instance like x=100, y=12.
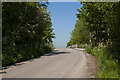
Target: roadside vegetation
x=98, y=26
x=108, y=66
x=26, y=31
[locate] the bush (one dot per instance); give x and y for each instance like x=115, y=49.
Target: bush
x=88, y=49
x=46, y=49
x=82, y=45
x=24, y=54
x=108, y=65
x=6, y=60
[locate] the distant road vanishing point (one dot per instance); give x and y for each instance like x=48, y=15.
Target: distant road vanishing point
x=61, y=63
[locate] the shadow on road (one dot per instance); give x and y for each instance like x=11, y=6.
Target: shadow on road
x=4, y=68
x=55, y=53
x=3, y=72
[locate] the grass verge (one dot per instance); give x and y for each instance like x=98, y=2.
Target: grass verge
x=107, y=62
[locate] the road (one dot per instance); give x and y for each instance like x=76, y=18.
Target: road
x=61, y=63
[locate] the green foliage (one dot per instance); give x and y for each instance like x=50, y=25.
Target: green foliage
x=26, y=31
x=98, y=22
x=98, y=25
x=23, y=55
x=71, y=42
x=108, y=64
x=88, y=48
x=47, y=49
x=80, y=34
x=82, y=45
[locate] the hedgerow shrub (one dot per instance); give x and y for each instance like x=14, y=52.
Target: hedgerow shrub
x=24, y=54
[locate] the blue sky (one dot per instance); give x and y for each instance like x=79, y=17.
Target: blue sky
x=63, y=19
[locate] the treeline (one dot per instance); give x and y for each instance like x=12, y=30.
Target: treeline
x=26, y=31
x=98, y=26
x=98, y=23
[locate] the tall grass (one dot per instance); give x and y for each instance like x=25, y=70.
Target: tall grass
x=107, y=63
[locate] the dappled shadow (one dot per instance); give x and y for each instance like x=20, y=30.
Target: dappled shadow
x=55, y=53
x=18, y=64
x=3, y=72
x=3, y=68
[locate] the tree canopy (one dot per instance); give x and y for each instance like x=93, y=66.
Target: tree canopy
x=25, y=26
x=98, y=22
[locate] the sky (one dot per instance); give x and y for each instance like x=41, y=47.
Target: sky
x=63, y=15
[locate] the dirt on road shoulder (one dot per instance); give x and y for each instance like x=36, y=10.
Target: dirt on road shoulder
x=92, y=65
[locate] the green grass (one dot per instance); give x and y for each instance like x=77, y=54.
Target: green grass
x=107, y=63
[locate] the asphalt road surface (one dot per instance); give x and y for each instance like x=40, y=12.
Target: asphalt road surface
x=61, y=63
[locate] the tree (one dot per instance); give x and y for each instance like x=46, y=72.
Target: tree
x=26, y=27
x=102, y=21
